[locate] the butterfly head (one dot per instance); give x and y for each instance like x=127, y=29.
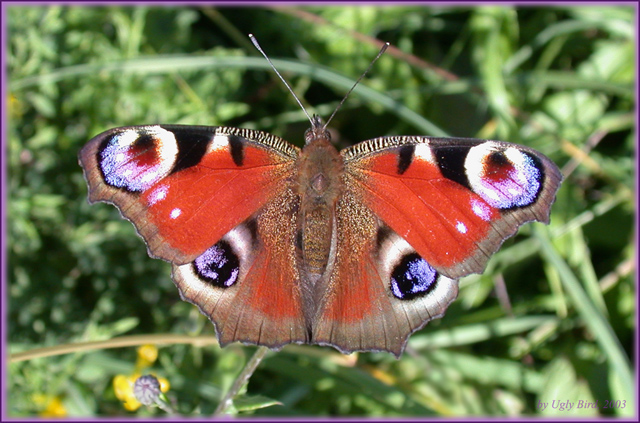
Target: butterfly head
x=318, y=130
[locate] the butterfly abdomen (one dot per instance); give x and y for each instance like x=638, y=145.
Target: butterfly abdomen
x=319, y=187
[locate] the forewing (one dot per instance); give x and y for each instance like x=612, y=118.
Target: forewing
x=454, y=200
x=185, y=187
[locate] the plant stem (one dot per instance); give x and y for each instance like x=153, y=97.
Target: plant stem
x=241, y=380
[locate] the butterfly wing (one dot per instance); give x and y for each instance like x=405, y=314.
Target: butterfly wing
x=248, y=283
x=413, y=214
x=368, y=302
x=416, y=214
x=185, y=186
x=218, y=203
x=454, y=200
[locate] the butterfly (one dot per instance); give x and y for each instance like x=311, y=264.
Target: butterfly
x=354, y=249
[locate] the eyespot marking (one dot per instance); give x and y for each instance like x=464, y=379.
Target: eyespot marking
x=504, y=177
x=219, y=265
x=412, y=277
x=137, y=158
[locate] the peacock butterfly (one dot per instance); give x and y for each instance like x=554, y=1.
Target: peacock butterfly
x=355, y=249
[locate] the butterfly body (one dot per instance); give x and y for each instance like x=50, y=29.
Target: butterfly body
x=354, y=249
x=320, y=171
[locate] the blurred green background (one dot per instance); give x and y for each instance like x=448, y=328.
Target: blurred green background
x=553, y=317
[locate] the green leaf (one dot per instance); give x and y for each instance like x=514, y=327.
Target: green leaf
x=563, y=394
x=250, y=403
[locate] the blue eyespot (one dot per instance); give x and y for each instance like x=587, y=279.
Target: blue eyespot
x=412, y=277
x=219, y=265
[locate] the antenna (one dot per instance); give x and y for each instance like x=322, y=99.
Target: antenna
x=255, y=43
x=380, y=53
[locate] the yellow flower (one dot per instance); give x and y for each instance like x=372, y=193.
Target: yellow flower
x=164, y=384
x=123, y=387
x=147, y=355
x=54, y=406
x=16, y=107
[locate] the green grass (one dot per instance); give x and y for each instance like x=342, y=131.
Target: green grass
x=559, y=79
